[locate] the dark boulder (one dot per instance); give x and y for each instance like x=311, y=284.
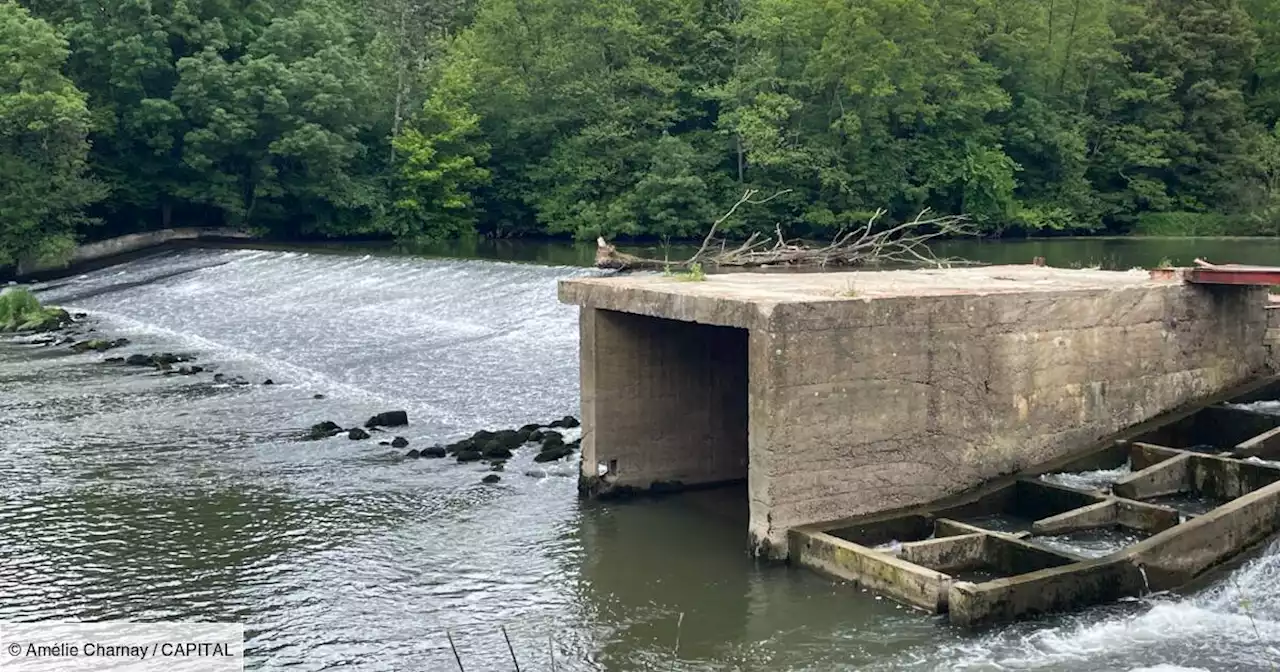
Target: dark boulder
x=465, y=444
x=509, y=438
x=537, y=435
x=552, y=454
x=470, y=456
x=322, y=430
x=491, y=478
x=567, y=422
x=114, y=360
x=357, y=434
x=384, y=443
x=317, y=396
x=482, y=436
x=530, y=428
x=496, y=451
x=388, y=419
x=399, y=442
x=140, y=360
x=552, y=439
x=268, y=382
x=413, y=455
x=434, y=451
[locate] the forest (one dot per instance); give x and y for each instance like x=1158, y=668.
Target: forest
x=429, y=119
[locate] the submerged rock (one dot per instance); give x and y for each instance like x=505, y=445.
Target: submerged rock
x=322, y=430
x=357, y=434
x=317, y=396
x=413, y=455
x=388, y=419
x=399, y=442
x=114, y=360
x=434, y=451
x=268, y=382
x=99, y=345
x=140, y=360
x=491, y=478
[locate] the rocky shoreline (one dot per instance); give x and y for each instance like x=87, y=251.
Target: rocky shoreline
x=78, y=333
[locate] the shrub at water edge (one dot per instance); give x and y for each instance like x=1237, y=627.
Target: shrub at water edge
x=20, y=310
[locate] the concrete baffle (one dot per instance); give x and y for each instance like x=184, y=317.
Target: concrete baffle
x=841, y=394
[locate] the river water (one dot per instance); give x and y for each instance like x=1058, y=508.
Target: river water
x=132, y=495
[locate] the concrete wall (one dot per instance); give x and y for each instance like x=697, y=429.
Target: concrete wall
x=662, y=401
x=863, y=406
x=134, y=242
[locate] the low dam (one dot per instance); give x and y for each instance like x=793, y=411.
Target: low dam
x=836, y=395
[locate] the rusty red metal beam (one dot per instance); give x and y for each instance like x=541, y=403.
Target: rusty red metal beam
x=1234, y=274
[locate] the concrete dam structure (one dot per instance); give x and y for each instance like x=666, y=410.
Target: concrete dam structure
x=844, y=395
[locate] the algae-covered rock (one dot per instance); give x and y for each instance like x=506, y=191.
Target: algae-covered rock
x=322, y=430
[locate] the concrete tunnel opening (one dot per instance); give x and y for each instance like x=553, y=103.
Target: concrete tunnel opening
x=665, y=403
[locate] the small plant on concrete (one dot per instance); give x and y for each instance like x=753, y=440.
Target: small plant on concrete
x=1165, y=263
x=694, y=274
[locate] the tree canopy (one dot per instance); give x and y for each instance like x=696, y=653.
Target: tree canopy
x=645, y=118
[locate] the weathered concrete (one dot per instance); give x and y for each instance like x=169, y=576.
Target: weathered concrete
x=123, y=245
x=875, y=391
x=662, y=402
x=904, y=581
x=1085, y=517
x=1163, y=478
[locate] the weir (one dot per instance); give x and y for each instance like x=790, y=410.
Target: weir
x=839, y=395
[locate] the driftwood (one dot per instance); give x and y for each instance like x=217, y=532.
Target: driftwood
x=904, y=244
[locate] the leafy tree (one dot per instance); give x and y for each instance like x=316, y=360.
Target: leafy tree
x=43, y=123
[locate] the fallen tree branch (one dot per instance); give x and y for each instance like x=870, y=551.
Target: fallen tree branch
x=903, y=244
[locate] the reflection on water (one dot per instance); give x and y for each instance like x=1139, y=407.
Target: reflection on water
x=128, y=494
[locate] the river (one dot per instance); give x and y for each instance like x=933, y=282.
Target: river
x=132, y=495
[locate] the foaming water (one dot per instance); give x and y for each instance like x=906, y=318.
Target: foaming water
x=133, y=495
x=1100, y=479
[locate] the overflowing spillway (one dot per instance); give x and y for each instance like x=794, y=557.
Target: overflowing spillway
x=133, y=495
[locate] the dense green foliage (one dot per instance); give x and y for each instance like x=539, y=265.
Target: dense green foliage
x=441, y=118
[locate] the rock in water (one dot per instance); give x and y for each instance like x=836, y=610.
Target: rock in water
x=567, y=422
x=357, y=434
x=491, y=478
x=434, y=451
x=322, y=430
x=140, y=360
x=552, y=454
x=530, y=428
x=317, y=396
x=413, y=455
x=469, y=456
x=496, y=451
x=268, y=382
x=388, y=419
x=399, y=442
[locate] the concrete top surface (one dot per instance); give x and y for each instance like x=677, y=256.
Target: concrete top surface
x=760, y=300
x=853, y=285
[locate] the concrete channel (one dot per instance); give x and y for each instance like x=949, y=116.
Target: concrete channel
x=1171, y=512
